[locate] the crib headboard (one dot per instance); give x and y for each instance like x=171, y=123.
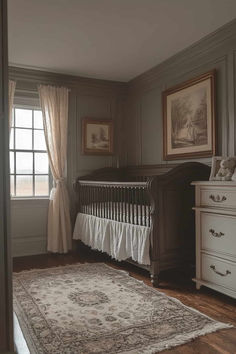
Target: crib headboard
x=126, y=174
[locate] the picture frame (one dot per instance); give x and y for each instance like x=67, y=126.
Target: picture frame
x=215, y=167
x=97, y=136
x=189, y=127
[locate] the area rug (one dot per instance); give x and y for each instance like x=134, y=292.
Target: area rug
x=95, y=309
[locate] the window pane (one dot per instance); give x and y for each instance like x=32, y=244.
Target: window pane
x=41, y=185
x=24, y=162
x=12, y=138
x=24, y=186
x=12, y=162
x=23, y=139
x=38, y=120
x=39, y=140
x=12, y=185
x=23, y=118
x=41, y=163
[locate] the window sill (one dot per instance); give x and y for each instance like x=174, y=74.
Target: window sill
x=29, y=198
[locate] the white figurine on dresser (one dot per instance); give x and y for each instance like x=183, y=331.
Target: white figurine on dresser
x=215, y=212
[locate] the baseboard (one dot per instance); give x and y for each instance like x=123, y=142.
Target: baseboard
x=28, y=246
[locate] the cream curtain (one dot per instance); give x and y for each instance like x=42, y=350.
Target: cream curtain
x=54, y=104
x=11, y=92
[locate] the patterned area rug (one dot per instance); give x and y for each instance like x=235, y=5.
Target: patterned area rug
x=95, y=309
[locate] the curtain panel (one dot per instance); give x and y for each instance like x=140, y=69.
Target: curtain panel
x=54, y=104
x=11, y=92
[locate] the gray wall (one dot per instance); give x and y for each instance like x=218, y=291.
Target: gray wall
x=144, y=128
x=88, y=98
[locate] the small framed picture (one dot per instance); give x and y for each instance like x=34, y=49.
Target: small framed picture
x=223, y=168
x=97, y=138
x=189, y=119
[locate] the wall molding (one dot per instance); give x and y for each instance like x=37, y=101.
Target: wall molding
x=27, y=202
x=29, y=245
x=222, y=37
x=35, y=77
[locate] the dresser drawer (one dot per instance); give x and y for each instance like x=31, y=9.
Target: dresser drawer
x=219, y=271
x=218, y=233
x=220, y=198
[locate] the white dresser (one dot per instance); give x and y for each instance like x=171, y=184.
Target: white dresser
x=215, y=212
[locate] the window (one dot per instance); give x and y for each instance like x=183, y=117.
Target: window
x=29, y=169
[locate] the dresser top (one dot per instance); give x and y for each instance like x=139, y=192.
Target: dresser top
x=215, y=183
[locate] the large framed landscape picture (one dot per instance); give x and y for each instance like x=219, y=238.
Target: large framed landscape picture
x=97, y=136
x=189, y=119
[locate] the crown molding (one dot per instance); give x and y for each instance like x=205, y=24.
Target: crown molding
x=222, y=37
x=35, y=77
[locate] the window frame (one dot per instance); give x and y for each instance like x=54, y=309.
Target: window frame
x=33, y=151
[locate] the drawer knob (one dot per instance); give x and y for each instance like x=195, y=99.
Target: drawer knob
x=219, y=273
x=216, y=234
x=217, y=198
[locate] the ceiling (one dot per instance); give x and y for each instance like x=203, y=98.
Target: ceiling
x=108, y=39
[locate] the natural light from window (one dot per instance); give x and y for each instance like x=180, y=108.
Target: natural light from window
x=29, y=169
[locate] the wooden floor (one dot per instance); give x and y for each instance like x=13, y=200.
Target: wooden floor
x=174, y=283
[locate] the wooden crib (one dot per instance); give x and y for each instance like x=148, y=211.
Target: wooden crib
x=153, y=198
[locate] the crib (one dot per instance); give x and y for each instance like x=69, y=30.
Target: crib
x=140, y=214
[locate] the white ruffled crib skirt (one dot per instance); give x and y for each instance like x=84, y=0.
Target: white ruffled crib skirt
x=120, y=240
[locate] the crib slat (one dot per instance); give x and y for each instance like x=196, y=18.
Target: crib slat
x=110, y=206
x=122, y=204
x=85, y=207
x=141, y=205
x=129, y=205
x=81, y=198
x=137, y=209
x=125, y=205
x=112, y=203
x=118, y=204
x=99, y=202
x=108, y=200
x=95, y=200
x=108, y=203
x=83, y=201
x=90, y=200
x=132, y=193
x=145, y=213
x=87, y=198
x=103, y=203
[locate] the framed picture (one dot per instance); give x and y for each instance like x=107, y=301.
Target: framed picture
x=97, y=137
x=223, y=168
x=189, y=119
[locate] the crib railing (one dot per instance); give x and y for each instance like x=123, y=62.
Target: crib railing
x=127, y=202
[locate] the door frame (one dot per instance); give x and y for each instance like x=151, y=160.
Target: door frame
x=6, y=309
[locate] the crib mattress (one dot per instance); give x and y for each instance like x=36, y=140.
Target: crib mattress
x=120, y=240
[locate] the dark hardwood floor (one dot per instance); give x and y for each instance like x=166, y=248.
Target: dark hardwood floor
x=173, y=283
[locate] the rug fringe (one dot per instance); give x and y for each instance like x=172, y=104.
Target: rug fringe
x=55, y=267
x=184, y=338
